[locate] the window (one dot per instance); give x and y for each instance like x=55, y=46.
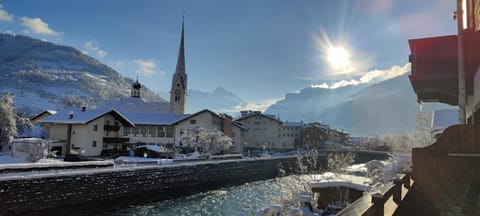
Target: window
x=95, y=127
x=169, y=132
x=105, y=146
x=107, y=122
x=160, y=131
x=177, y=98
x=94, y=143
x=193, y=121
x=126, y=131
x=143, y=130
x=182, y=131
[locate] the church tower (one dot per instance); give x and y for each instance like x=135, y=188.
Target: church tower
x=136, y=88
x=178, y=93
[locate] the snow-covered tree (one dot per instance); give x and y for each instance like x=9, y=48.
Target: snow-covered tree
x=23, y=123
x=8, y=127
x=206, y=141
x=338, y=162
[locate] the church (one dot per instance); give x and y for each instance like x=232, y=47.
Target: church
x=115, y=126
x=178, y=92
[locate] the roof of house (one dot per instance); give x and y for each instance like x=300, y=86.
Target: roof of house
x=444, y=118
x=79, y=116
x=269, y=116
x=154, y=118
x=49, y=112
x=239, y=125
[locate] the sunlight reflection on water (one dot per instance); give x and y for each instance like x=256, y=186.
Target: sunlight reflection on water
x=240, y=200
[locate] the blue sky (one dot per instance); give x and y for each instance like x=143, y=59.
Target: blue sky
x=258, y=49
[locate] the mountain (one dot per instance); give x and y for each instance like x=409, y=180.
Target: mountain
x=219, y=100
x=43, y=75
x=309, y=103
x=382, y=108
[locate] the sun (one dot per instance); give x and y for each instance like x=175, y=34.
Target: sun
x=338, y=57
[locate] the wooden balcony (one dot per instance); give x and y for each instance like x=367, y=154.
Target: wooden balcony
x=434, y=75
x=111, y=128
x=434, y=61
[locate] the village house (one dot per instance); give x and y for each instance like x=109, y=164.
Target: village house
x=262, y=130
x=85, y=131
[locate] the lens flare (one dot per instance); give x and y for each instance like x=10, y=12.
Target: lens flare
x=338, y=57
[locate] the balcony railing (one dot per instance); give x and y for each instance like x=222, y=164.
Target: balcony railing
x=111, y=127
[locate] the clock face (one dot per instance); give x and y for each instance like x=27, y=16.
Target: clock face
x=178, y=92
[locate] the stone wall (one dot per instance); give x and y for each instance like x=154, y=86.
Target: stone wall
x=87, y=191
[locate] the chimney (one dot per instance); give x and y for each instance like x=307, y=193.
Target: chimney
x=70, y=115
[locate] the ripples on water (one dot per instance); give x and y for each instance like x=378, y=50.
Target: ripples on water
x=240, y=200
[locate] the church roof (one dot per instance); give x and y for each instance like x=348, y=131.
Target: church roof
x=136, y=105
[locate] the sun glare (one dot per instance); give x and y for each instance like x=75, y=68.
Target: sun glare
x=338, y=57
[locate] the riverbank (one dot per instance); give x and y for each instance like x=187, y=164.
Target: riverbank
x=118, y=187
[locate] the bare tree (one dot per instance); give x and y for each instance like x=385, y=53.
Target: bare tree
x=8, y=127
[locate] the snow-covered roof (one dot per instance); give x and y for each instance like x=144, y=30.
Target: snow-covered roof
x=46, y=112
x=270, y=116
x=154, y=118
x=186, y=117
x=136, y=105
x=84, y=117
x=444, y=118
x=342, y=180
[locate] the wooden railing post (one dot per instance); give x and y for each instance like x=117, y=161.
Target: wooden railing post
x=378, y=203
x=406, y=180
x=397, y=190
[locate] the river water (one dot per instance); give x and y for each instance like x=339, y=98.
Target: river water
x=244, y=199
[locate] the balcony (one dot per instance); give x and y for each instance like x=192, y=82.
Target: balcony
x=434, y=61
x=434, y=75
x=111, y=127
x=115, y=140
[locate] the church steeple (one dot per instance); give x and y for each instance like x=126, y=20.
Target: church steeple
x=136, y=88
x=178, y=93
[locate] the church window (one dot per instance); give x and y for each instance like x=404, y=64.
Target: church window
x=177, y=98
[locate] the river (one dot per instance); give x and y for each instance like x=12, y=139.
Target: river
x=245, y=199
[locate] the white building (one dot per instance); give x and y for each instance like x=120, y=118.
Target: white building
x=85, y=131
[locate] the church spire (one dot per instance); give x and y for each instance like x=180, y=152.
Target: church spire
x=178, y=93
